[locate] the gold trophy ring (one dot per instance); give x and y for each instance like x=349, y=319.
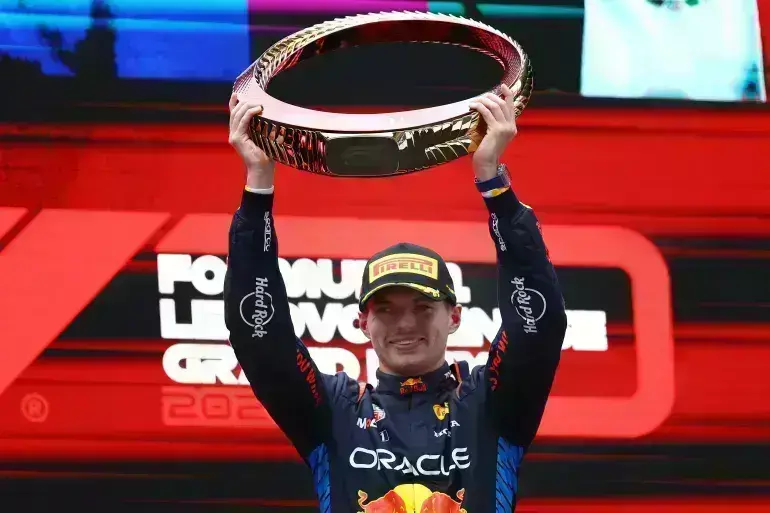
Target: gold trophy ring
x=383, y=144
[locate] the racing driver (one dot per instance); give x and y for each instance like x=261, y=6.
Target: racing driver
x=431, y=436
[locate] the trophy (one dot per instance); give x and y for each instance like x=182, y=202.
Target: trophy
x=383, y=144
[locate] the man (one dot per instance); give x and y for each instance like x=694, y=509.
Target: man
x=429, y=437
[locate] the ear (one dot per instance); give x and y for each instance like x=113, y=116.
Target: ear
x=363, y=324
x=455, y=316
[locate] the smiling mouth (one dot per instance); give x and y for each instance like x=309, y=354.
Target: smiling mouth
x=407, y=342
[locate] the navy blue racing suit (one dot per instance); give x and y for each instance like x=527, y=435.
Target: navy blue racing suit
x=449, y=441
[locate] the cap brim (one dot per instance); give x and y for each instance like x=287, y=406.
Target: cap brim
x=429, y=292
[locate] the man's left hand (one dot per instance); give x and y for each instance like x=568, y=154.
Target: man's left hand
x=500, y=117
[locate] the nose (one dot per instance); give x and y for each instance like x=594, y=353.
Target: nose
x=407, y=321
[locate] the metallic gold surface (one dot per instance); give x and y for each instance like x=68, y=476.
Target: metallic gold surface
x=384, y=144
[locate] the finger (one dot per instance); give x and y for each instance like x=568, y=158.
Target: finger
x=506, y=107
x=507, y=93
x=494, y=108
x=497, y=106
x=506, y=111
x=243, y=125
x=233, y=101
x=275, y=141
x=495, y=98
x=281, y=136
x=236, y=113
x=510, y=100
x=516, y=88
x=484, y=112
x=240, y=114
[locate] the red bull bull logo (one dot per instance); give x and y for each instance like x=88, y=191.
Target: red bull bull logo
x=413, y=385
x=412, y=498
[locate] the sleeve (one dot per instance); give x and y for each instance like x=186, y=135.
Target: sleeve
x=279, y=368
x=526, y=351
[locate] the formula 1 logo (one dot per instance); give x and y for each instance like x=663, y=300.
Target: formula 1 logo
x=53, y=268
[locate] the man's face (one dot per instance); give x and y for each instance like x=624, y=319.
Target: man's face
x=408, y=331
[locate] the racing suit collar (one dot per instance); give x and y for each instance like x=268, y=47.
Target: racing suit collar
x=405, y=385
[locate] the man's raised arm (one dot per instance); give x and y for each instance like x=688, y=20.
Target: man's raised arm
x=526, y=352
x=277, y=364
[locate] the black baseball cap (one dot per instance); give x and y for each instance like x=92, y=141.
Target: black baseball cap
x=407, y=265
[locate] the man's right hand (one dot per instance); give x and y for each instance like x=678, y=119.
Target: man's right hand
x=260, y=168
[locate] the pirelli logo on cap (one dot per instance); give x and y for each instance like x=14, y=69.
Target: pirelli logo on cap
x=403, y=263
